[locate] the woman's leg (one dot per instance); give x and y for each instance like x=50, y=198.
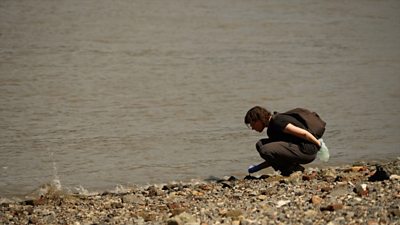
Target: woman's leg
x=283, y=156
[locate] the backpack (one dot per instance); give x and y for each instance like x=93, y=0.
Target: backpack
x=311, y=120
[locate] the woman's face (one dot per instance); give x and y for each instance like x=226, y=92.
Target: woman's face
x=257, y=126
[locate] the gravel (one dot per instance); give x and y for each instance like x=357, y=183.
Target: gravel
x=363, y=193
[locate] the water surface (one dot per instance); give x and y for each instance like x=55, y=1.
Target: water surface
x=98, y=93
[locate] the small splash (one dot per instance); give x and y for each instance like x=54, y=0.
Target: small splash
x=48, y=190
x=56, y=179
x=120, y=189
x=53, y=188
x=83, y=191
x=56, y=183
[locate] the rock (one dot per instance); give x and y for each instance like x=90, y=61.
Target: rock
x=244, y=221
x=174, y=221
x=35, y=202
x=132, y=199
x=281, y=203
x=394, y=211
x=148, y=216
x=310, y=176
x=310, y=213
x=262, y=197
x=250, y=177
x=361, y=189
x=117, y=205
x=356, y=169
x=226, y=185
x=316, y=200
x=340, y=190
x=394, y=177
x=232, y=178
x=326, y=189
x=264, y=176
x=293, y=178
x=234, y=213
x=183, y=219
x=332, y=207
x=176, y=208
x=379, y=175
x=236, y=222
x=329, y=175
x=154, y=191
x=372, y=222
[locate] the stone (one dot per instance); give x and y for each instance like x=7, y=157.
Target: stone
x=361, y=189
x=226, y=185
x=132, y=199
x=117, y=205
x=379, y=175
x=394, y=211
x=326, y=189
x=372, y=222
x=148, y=216
x=316, y=200
x=356, y=169
x=340, y=191
x=244, y=221
x=332, y=207
x=176, y=208
x=232, y=178
x=250, y=177
x=310, y=213
x=281, y=203
x=154, y=191
x=236, y=222
x=183, y=219
x=262, y=197
x=234, y=213
x=394, y=177
x=310, y=176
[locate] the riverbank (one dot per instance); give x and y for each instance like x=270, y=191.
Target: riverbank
x=363, y=193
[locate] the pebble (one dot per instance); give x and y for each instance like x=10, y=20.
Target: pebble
x=281, y=203
x=361, y=189
x=316, y=200
x=394, y=177
x=332, y=195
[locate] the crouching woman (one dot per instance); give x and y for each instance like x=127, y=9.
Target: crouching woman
x=289, y=143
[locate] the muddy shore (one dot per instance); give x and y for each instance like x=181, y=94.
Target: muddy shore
x=362, y=193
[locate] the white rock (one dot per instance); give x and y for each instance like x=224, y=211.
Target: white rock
x=281, y=203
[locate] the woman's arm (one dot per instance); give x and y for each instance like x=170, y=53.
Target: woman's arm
x=301, y=133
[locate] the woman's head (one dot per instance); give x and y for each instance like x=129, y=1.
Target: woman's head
x=257, y=118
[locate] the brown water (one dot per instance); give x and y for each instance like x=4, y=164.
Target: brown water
x=98, y=93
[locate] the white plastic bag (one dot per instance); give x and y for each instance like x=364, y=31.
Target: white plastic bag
x=323, y=153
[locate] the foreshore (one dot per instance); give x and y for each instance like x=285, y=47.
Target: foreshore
x=362, y=193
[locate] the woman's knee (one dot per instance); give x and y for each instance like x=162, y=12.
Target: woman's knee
x=266, y=151
x=261, y=143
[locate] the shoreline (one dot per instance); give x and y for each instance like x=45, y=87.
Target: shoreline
x=347, y=194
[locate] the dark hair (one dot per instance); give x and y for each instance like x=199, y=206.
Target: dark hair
x=257, y=113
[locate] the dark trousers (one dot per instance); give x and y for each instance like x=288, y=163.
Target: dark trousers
x=283, y=155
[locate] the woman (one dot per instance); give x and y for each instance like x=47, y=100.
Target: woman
x=288, y=145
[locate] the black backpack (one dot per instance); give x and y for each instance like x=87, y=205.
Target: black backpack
x=311, y=120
